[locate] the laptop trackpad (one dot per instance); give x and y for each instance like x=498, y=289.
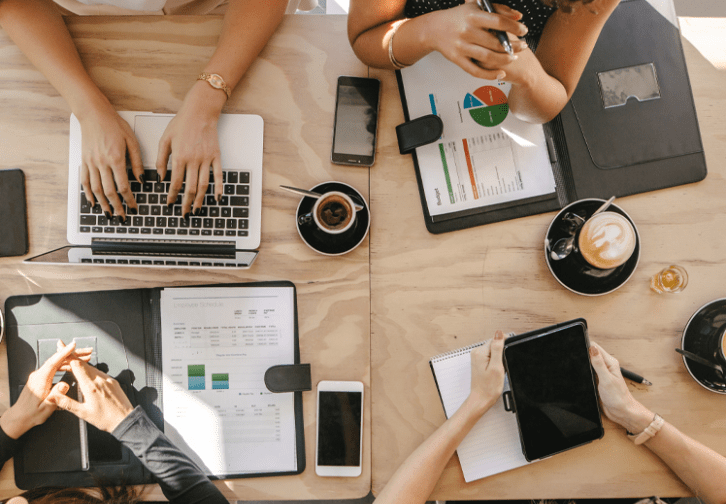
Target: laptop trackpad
x=148, y=129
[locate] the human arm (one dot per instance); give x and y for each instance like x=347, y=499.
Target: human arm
x=38, y=30
x=542, y=84
x=461, y=34
x=106, y=407
x=191, y=138
x=414, y=481
x=35, y=403
x=699, y=467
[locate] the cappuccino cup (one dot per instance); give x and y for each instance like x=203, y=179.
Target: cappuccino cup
x=334, y=213
x=607, y=240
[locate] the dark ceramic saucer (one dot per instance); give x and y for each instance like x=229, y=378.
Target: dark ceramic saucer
x=573, y=272
x=323, y=242
x=701, y=337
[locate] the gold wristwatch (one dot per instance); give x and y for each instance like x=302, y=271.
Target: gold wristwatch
x=216, y=81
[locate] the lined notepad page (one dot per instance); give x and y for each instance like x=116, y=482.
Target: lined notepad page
x=493, y=445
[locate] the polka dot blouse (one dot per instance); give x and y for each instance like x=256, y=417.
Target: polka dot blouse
x=535, y=13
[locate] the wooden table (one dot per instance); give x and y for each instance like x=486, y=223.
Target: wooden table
x=148, y=63
x=434, y=293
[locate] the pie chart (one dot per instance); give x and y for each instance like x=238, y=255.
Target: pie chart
x=487, y=105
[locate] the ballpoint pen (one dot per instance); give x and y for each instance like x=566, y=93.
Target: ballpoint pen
x=486, y=6
x=634, y=377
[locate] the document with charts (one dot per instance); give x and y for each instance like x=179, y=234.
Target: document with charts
x=486, y=156
x=217, y=344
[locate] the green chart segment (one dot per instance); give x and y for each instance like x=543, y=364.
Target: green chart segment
x=487, y=106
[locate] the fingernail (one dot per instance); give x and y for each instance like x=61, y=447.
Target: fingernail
x=501, y=75
x=141, y=179
x=197, y=211
x=158, y=177
x=186, y=216
x=593, y=351
x=133, y=211
x=122, y=218
x=499, y=335
x=218, y=197
x=107, y=214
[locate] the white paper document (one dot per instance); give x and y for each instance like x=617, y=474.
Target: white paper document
x=217, y=344
x=486, y=156
x=493, y=445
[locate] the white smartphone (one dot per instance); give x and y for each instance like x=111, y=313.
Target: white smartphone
x=339, y=440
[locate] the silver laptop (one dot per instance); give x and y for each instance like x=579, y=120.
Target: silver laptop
x=226, y=234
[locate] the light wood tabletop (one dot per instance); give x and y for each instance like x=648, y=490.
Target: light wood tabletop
x=149, y=63
x=435, y=293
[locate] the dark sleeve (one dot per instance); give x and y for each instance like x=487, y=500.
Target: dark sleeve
x=179, y=478
x=8, y=446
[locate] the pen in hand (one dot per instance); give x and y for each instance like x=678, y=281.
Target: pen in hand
x=486, y=6
x=634, y=377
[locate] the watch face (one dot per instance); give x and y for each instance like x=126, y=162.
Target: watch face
x=216, y=81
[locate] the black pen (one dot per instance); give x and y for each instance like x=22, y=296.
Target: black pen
x=486, y=6
x=634, y=377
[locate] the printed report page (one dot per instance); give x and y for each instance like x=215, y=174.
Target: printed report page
x=217, y=344
x=486, y=156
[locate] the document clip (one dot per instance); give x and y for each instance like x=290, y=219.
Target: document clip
x=639, y=82
x=288, y=378
x=508, y=401
x=418, y=132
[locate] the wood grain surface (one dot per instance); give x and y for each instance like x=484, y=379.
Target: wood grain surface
x=149, y=63
x=435, y=293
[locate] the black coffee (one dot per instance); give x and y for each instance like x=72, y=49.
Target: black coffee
x=334, y=212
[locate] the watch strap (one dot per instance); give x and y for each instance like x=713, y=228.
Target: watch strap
x=649, y=431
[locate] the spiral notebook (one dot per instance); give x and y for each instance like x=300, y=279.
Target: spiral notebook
x=492, y=446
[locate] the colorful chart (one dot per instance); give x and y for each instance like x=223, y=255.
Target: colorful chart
x=195, y=374
x=220, y=381
x=487, y=105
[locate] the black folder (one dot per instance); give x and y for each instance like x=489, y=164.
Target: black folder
x=130, y=322
x=598, y=149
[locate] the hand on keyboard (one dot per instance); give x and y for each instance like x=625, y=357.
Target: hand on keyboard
x=192, y=142
x=106, y=140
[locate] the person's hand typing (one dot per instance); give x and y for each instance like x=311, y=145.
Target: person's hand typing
x=462, y=35
x=192, y=142
x=37, y=399
x=618, y=403
x=106, y=138
x=487, y=373
x=104, y=402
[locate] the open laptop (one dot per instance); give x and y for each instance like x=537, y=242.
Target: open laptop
x=225, y=235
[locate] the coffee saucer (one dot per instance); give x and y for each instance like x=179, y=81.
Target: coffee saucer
x=573, y=272
x=333, y=245
x=701, y=338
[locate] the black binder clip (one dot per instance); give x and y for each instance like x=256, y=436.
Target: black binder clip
x=288, y=378
x=421, y=131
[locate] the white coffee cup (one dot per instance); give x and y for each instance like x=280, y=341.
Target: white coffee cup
x=607, y=240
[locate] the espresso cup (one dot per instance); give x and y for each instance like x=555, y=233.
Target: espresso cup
x=334, y=213
x=721, y=351
x=607, y=240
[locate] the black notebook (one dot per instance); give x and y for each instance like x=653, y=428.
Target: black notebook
x=630, y=127
x=216, y=368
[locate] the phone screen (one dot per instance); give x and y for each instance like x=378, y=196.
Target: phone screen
x=554, y=391
x=356, y=120
x=339, y=428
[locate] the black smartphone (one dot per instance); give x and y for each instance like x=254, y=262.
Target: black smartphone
x=356, y=121
x=339, y=443
x=553, y=389
x=13, y=225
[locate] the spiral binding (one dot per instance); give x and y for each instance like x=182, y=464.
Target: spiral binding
x=460, y=351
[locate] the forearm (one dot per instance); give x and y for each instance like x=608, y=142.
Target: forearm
x=410, y=44
x=414, y=481
x=246, y=29
x=38, y=30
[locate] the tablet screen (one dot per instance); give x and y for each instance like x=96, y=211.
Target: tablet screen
x=554, y=391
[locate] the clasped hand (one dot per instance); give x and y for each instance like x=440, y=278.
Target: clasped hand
x=190, y=141
x=462, y=34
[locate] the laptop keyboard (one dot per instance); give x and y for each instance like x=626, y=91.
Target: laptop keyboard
x=227, y=218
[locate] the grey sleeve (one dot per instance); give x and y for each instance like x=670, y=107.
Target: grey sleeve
x=179, y=478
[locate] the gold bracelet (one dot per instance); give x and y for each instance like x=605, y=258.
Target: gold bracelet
x=396, y=64
x=216, y=81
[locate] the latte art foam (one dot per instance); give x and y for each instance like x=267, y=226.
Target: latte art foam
x=607, y=240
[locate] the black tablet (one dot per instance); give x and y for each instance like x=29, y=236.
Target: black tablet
x=553, y=389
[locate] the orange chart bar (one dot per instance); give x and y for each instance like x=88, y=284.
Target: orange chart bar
x=471, y=169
